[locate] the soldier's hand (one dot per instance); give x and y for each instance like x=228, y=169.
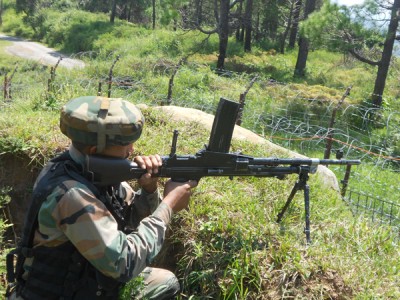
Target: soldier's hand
x=151, y=163
x=177, y=194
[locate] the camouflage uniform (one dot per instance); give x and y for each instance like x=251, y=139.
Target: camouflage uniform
x=73, y=213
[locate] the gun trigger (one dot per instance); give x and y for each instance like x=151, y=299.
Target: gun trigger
x=231, y=177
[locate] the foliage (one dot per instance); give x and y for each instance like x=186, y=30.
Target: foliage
x=131, y=288
x=4, y=200
x=102, y=6
x=333, y=27
x=169, y=11
x=227, y=245
x=71, y=31
x=12, y=23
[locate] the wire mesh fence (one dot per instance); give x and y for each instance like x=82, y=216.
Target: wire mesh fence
x=378, y=210
x=299, y=123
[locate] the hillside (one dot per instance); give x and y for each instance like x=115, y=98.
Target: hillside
x=228, y=245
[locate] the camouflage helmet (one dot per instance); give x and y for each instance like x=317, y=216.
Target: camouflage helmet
x=101, y=121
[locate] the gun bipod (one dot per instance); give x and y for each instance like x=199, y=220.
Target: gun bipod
x=301, y=184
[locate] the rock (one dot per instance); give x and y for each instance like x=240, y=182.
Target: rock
x=193, y=115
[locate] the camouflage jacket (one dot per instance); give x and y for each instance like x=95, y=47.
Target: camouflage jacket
x=94, y=231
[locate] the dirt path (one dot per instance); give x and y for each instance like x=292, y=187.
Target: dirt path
x=37, y=52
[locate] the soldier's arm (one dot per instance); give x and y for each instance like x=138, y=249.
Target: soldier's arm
x=92, y=229
x=147, y=199
x=141, y=204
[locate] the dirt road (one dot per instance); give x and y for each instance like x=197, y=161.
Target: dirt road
x=37, y=52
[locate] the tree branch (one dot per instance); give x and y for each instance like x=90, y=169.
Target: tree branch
x=348, y=38
x=363, y=59
x=198, y=27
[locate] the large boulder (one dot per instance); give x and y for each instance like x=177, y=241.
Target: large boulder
x=178, y=113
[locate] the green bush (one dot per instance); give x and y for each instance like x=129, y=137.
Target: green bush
x=13, y=24
x=74, y=30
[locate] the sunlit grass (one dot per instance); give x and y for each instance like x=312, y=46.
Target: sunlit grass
x=228, y=245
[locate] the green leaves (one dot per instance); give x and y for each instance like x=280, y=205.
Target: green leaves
x=337, y=29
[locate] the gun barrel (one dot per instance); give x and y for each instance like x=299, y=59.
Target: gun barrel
x=307, y=161
x=340, y=162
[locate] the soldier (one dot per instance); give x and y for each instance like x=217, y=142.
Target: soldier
x=82, y=241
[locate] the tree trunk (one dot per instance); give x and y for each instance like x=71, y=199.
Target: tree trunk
x=241, y=36
x=271, y=20
x=223, y=32
x=248, y=25
x=113, y=11
x=136, y=13
x=154, y=13
x=295, y=24
x=257, y=30
x=199, y=12
x=383, y=67
x=301, y=58
x=304, y=44
x=240, y=18
x=287, y=29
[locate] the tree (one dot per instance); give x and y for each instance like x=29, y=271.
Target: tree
x=221, y=11
x=26, y=6
x=223, y=32
x=288, y=26
x=113, y=11
x=34, y=12
x=239, y=27
x=153, y=14
x=248, y=15
x=355, y=31
x=171, y=10
x=270, y=20
x=384, y=63
x=304, y=43
x=295, y=23
x=95, y=5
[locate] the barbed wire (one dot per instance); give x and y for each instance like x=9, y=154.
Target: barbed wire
x=286, y=116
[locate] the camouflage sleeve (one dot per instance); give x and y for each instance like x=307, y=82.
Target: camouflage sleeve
x=140, y=204
x=87, y=223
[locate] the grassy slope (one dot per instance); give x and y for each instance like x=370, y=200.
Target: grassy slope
x=228, y=240
x=227, y=244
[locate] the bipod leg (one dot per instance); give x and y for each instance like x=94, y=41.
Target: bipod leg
x=301, y=184
x=296, y=187
x=307, y=230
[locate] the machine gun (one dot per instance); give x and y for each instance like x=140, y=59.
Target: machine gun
x=216, y=160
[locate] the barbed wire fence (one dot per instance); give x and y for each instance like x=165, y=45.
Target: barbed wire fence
x=300, y=123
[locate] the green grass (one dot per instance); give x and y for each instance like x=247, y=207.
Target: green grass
x=231, y=245
x=228, y=244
